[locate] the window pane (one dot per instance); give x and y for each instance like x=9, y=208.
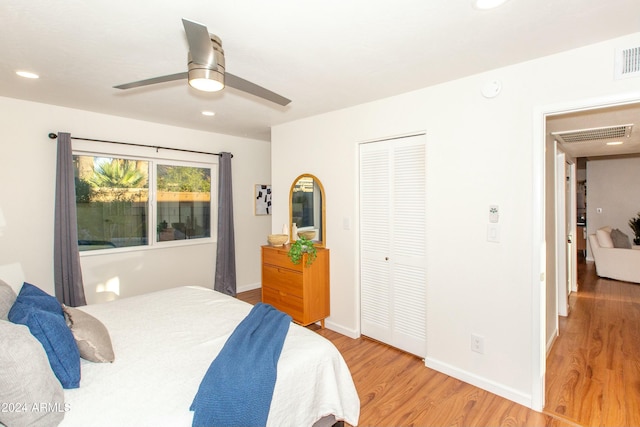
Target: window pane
x=112, y=201
x=183, y=202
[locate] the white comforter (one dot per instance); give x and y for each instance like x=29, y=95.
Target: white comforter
x=165, y=341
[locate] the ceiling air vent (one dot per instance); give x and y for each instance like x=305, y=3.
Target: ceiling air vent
x=594, y=134
x=627, y=63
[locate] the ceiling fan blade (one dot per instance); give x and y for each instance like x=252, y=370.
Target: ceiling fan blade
x=199, y=43
x=252, y=88
x=162, y=79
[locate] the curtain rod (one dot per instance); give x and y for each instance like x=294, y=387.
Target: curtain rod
x=157, y=147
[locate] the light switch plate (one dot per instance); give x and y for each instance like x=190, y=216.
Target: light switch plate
x=346, y=223
x=493, y=233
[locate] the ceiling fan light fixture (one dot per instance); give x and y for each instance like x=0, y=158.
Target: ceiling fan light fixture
x=205, y=79
x=27, y=74
x=206, y=68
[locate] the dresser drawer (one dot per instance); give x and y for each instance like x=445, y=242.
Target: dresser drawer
x=288, y=281
x=290, y=304
x=279, y=258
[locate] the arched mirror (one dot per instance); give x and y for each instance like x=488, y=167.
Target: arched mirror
x=307, y=207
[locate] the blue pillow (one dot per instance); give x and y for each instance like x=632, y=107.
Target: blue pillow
x=36, y=297
x=56, y=338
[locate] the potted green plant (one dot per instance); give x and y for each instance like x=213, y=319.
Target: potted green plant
x=634, y=223
x=301, y=246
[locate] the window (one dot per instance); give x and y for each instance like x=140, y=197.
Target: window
x=184, y=202
x=114, y=198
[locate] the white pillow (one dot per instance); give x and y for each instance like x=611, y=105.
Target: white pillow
x=604, y=237
x=7, y=298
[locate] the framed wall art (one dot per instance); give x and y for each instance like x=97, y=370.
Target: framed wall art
x=262, y=199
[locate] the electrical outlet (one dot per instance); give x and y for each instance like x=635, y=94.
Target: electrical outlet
x=477, y=343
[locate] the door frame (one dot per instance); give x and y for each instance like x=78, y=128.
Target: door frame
x=565, y=224
x=562, y=254
x=538, y=250
x=561, y=231
x=572, y=213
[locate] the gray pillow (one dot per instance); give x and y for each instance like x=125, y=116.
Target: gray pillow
x=7, y=298
x=620, y=240
x=28, y=387
x=91, y=336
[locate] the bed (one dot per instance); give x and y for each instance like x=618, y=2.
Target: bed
x=163, y=344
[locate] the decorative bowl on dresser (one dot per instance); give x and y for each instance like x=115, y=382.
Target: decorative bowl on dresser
x=277, y=239
x=297, y=289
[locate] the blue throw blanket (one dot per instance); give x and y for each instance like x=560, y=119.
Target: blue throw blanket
x=238, y=386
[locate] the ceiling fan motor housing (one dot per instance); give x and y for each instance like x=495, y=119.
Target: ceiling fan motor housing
x=210, y=73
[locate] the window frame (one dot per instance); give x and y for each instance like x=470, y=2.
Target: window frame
x=177, y=159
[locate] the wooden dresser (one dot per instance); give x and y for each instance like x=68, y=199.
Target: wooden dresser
x=298, y=290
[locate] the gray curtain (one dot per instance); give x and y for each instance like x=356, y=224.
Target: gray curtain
x=225, y=281
x=66, y=258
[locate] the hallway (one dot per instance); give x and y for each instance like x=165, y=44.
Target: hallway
x=593, y=369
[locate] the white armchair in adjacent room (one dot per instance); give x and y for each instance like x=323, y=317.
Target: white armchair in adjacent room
x=614, y=262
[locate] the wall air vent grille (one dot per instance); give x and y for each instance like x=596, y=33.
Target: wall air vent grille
x=627, y=63
x=594, y=134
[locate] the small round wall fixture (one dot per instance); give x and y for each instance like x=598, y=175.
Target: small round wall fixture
x=491, y=89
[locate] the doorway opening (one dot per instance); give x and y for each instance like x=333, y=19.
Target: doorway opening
x=546, y=286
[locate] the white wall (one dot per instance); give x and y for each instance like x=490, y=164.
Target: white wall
x=27, y=187
x=480, y=152
x=614, y=186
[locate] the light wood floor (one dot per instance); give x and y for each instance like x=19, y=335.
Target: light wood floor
x=593, y=369
x=587, y=380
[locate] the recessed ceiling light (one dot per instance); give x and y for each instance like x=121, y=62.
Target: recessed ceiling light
x=27, y=75
x=615, y=143
x=208, y=113
x=487, y=4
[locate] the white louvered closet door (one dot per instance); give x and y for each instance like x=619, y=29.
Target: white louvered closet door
x=393, y=242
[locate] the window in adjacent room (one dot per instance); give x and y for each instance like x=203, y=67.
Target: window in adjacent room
x=116, y=198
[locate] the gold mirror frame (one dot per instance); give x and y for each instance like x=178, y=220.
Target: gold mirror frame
x=321, y=237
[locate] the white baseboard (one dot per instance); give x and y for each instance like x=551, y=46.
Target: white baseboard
x=551, y=340
x=351, y=333
x=481, y=382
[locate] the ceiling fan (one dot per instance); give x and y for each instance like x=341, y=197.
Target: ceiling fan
x=206, y=69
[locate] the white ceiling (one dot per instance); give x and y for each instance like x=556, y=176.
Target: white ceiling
x=322, y=55
x=598, y=118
